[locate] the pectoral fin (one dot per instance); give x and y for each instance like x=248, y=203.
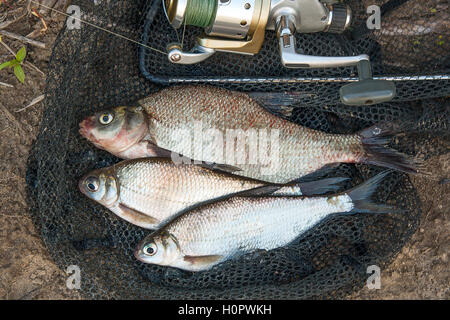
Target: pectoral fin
x=137, y=218
x=143, y=149
x=203, y=262
x=154, y=151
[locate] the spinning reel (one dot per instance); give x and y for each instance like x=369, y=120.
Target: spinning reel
x=239, y=26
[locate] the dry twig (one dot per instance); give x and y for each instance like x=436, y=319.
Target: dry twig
x=6, y=24
x=35, y=13
x=6, y=85
x=32, y=103
x=22, y=38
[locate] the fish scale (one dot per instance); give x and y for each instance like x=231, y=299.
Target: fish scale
x=243, y=224
x=211, y=124
x=171, y=186
x=159, y=189
x=301, y=150
x=214, y=232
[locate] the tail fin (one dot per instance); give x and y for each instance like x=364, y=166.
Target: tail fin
x=374, y=140
x=309, y=188
x=297, y=189
x=361, y=194
x=320, y=186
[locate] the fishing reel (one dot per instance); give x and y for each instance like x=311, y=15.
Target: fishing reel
x=239, y=26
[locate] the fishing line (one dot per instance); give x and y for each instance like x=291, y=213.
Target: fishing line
x=176, y=32
x=200, y=13
x=184, y=30
x=100, y=28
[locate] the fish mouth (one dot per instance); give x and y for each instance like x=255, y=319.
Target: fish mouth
x=137, y=253
x=86, y=127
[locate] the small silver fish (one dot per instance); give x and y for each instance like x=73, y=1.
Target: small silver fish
x=146, y=192
x=215, y=232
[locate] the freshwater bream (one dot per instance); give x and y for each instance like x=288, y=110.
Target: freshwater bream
x=146, y=192
x=205, y=123
x=213, y=233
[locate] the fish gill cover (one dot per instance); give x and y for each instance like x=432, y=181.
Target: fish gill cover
x=91, y=70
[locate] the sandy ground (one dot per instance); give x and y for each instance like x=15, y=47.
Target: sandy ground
x=420, y=271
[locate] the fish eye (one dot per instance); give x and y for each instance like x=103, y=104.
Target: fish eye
x=106, y=118
x=92, y=184
x=150, y=249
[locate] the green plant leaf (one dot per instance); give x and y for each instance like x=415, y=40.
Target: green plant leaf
x=21, y=54
x=6, y=64
x=18, y=71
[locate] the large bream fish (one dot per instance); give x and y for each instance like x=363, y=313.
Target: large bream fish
x=146, y=192
x=225, y=127
x=213, y=233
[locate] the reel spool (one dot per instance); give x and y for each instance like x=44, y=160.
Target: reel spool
x=239, y=26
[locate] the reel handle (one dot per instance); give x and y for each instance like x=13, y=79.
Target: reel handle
x=197, y=54
x=366, y=91
x=291, y=58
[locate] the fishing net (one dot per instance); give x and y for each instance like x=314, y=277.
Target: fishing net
x=411, y=46
x=91, y=70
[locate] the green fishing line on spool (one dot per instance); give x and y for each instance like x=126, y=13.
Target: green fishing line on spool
x=200, y=13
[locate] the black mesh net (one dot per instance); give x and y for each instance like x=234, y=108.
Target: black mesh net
x=412, y=45
x=91, y=70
